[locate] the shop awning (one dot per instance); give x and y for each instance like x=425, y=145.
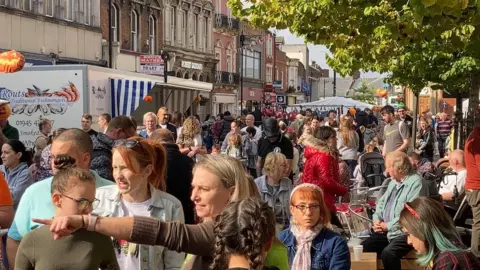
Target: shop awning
x=127, y=94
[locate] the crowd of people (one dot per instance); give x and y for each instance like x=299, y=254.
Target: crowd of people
x=231, y=192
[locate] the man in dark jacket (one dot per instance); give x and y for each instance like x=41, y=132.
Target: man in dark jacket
x=163, y=118
x=226, y=122
x=179, y=172
x=121, y=127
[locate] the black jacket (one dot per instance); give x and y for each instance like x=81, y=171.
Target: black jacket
x=172, y=129
x=179, y=179
x=226, y=122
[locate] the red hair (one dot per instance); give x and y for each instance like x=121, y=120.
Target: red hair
x=146, y=152
x=313, y=194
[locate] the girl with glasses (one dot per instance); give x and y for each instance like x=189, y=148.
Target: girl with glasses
x=73, y=193
x=310, y=244
x=432, y=233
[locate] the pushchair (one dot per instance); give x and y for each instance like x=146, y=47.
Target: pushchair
x=372, y=167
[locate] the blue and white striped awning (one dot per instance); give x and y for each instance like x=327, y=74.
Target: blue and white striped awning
x=127, y=95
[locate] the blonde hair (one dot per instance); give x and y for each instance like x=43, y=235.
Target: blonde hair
x=230, y=172
x=235, y=140
x=273, y=161
x=150, y=114
x=347, y=132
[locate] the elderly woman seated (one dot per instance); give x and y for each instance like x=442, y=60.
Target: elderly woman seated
x=387, y=239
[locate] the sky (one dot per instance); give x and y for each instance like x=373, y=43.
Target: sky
x=317, y=52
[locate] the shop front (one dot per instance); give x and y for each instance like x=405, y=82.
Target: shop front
x=252, y=98
x=222, y=102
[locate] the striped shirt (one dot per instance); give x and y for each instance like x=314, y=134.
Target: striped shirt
x=444, y=128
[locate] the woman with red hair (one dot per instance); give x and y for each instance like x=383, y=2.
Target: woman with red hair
x=310, y=244
x=139, y=167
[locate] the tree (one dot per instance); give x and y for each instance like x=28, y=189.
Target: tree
x=365, y=94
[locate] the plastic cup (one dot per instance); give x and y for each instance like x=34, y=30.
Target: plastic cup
x=357, y=252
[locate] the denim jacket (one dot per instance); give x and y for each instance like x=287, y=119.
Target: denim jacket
x=18, y=179
x=329, y=250
x=164, y=207
x=279, y=202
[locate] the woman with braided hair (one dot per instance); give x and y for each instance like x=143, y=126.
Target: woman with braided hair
x=244, y=232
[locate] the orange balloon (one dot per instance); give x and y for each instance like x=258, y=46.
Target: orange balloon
x=5, y=111
x=11, y=61
x=148, y=99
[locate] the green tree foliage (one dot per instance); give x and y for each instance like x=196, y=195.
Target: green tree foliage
x=365, y=94
x=417, y=41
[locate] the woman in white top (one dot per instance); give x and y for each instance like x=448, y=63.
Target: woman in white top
x=190, y=138
x=139, y=170
x=348, y=143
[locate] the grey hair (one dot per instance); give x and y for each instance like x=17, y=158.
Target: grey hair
x=400, y=162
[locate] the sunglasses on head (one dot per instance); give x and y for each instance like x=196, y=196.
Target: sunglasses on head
x=127, y=143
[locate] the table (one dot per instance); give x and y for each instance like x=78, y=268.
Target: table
x=368, y=261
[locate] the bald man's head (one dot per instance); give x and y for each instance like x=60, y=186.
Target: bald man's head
x=457, y=160
x=250, y=120
x=162, y=135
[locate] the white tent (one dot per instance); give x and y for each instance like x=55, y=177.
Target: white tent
x=335, y=102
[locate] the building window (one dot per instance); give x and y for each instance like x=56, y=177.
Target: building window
x=49, y=7
x=229, y=62
x=69, y=4
x=173, y=25
x=134, y=30
x=184, y=28
x=269, y=74
x=115, y=20
x=206, y=34
x=269, y=47
x=151, y=34
x=281, y=78
x=218, y=6
x=195, y=31
x=88, y=12
x=251, y=64
x=27, y=5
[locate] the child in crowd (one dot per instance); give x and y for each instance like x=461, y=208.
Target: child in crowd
x=307, y=131
x=244, y=232
x=216, y=150
x=250, y=146
x=73, y=193
x=234, y=148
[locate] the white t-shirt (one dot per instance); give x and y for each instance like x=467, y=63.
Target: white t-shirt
x=128, y=259
x=163, y=126
x=450, y=181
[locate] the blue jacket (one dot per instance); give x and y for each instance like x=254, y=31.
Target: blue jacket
x=329, y=250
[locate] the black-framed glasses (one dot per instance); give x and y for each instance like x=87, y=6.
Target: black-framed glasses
x=127, y=143
x=83, y=203
x=303, y=208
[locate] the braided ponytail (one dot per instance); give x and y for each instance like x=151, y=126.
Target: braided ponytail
x=244, y=227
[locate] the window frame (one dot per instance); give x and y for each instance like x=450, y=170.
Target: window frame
x=152, y=35
x=52, y=7
x=134, y=30
x=253, y=57
x=115, y=23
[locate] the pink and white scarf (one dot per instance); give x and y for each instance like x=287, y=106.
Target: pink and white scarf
x=303, y=257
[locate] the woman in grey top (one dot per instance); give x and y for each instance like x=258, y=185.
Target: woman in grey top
x=16, y=161
x=348, y=143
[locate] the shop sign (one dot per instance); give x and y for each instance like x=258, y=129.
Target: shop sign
x=152, y=64
x=277, y=84
x=280, y=99
x=191, y=65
